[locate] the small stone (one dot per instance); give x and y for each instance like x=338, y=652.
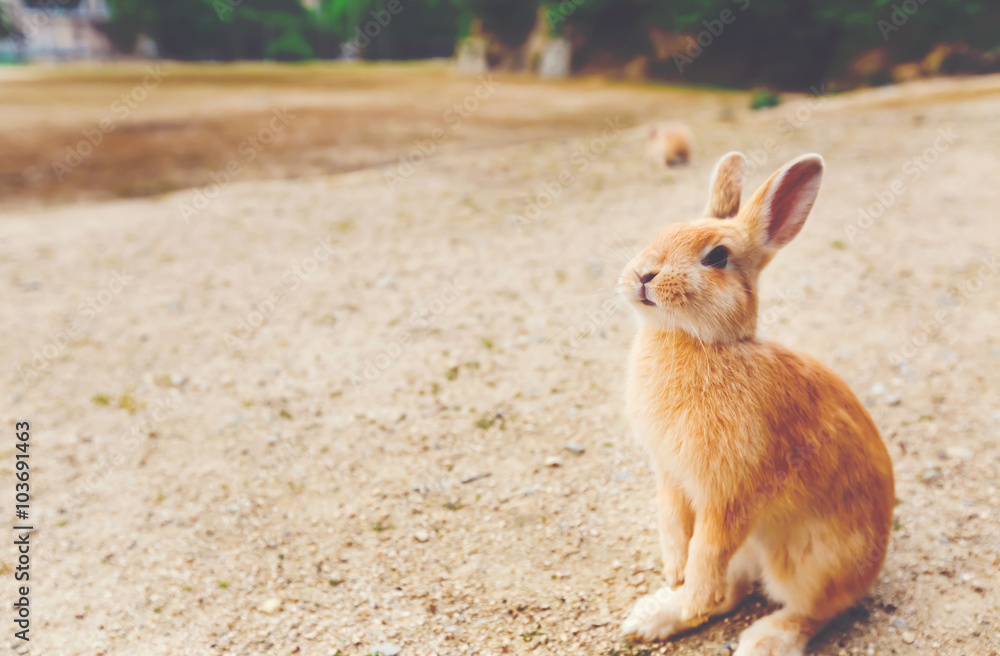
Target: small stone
x=878, y=389
x=893, y=399
x=623, y=476
x=576, y=449
x=909, y=637
x=900, y=623
x=421, y=536
x=931, y=474
x=960, y=452
x=386, y=649
x=177, y=380
x=271, y=606
x=553, y=461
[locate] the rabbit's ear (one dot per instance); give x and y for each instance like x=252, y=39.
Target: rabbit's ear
x=726, y=187
x=779, y=208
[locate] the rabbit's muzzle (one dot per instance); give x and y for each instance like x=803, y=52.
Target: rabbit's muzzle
x=660, y=287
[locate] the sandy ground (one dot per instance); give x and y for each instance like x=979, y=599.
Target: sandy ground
x=322, y=415
x=140, y=130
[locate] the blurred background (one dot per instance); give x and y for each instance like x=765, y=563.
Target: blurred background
x=311, y=307
x=787, y=44
x=770, y=46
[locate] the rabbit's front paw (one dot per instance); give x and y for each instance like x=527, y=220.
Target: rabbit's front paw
x=655, y=616
x=701, y=597
x=673, y=573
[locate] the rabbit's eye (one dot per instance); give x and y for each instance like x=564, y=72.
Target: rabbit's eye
x=717, y=258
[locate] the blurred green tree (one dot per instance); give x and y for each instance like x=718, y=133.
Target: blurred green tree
x=511, y=21
x=396, y=29
x=220, y=29
x=7, y=28
x=784, y=43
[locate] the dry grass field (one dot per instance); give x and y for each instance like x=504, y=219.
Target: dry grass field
x=169, y=128
x=338, y=403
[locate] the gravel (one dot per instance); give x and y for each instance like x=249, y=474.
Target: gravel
x=302, y=462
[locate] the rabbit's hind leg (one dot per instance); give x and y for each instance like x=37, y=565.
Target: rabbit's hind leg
x=817, y=572
x=782, y=633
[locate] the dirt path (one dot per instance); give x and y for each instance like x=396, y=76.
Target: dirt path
x=321, y=415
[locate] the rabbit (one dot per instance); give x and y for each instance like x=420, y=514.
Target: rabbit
x=669, y=144
x=768, y=468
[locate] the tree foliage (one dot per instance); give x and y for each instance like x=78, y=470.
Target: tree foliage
x=7, y=28
x=786, y=43
x=220, y=29
x=789, y=43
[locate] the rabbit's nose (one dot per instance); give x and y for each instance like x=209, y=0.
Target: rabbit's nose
x=642, y=287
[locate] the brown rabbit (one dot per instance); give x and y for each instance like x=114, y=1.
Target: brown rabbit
x=768, y=468
x=669, y=144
